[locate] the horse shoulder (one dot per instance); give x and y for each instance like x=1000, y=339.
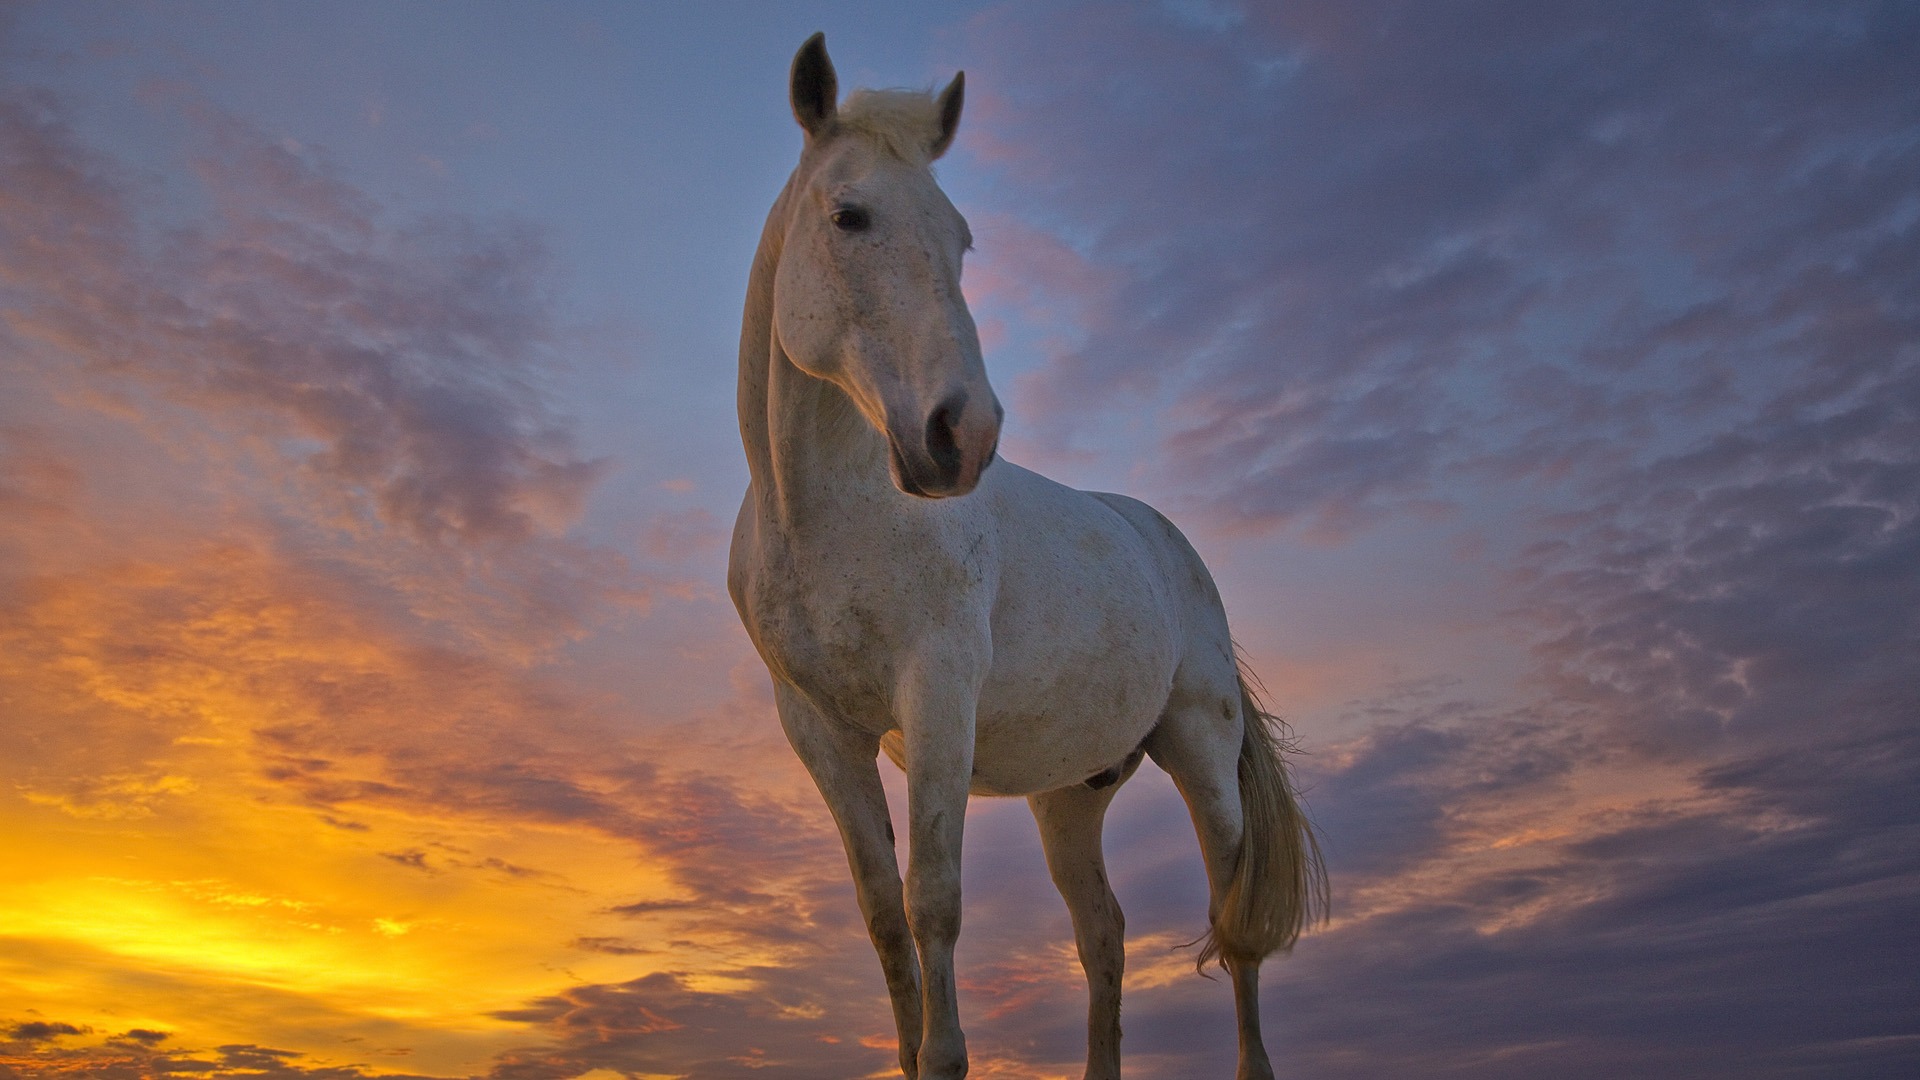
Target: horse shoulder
x=836, y=609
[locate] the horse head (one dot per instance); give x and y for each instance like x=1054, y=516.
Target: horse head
x=867, y=294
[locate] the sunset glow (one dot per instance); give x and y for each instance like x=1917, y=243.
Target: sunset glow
x=1542, y=385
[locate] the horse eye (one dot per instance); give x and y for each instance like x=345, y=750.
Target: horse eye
x=850, y=219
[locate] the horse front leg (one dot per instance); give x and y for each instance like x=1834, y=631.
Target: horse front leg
x=935, y=705
x=842, y=761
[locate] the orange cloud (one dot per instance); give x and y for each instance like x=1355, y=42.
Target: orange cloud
x=298, y=769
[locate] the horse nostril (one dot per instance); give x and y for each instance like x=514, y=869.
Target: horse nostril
x=942, y=447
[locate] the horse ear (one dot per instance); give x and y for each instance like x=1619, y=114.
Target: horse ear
x=950, y=101
x=813, y=87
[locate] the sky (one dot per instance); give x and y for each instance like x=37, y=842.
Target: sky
x=1540, y=380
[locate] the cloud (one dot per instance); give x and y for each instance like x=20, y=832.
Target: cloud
x=144, y=1036
x=364, y=393
x=133, y=1056
x=659, y=1024
x=1740, y=620
x=683, y=534
x=1707, y=809
x=414, y=858
x=395, y=361
x=288, y=519
x=1356, y=255
x=283, y=471
x=290, y=546
x=1627, y=295
x=615, y=946
x=43, y=1031
x=1692, y=926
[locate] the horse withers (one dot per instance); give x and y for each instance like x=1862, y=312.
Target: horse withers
x=991, y=631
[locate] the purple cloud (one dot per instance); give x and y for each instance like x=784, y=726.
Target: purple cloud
x=1369, y=249
x=397, y=361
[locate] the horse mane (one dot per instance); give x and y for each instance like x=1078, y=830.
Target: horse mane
x=904, y=122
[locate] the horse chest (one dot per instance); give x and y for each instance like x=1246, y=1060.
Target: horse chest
x=833, y=627
x=838, y=658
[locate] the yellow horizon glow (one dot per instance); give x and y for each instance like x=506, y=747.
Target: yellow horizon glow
x=222, y=916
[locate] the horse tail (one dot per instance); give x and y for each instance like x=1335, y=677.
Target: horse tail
x=1280, y=881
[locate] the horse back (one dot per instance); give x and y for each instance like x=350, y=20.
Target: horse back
x=1184, y=570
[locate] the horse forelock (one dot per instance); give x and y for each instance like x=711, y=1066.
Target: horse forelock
x=905, y=123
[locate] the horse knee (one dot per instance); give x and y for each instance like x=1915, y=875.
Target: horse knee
x=891, y=937
x=934, y=918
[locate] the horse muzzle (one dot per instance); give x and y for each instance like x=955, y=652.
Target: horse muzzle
x=950, y=451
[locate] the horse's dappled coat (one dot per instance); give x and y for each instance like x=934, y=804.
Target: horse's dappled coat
x=995, y=632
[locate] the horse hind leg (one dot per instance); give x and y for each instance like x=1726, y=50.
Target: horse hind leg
x=1264, y=874
x=1070, y=821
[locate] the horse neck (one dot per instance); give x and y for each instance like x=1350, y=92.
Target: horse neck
x=808, y=449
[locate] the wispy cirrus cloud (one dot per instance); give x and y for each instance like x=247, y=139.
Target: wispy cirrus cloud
x=394, y=361
x=1359, y=264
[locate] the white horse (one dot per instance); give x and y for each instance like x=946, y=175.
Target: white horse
x=992, y=631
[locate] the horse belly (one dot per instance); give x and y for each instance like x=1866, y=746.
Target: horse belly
x=1041, y=730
